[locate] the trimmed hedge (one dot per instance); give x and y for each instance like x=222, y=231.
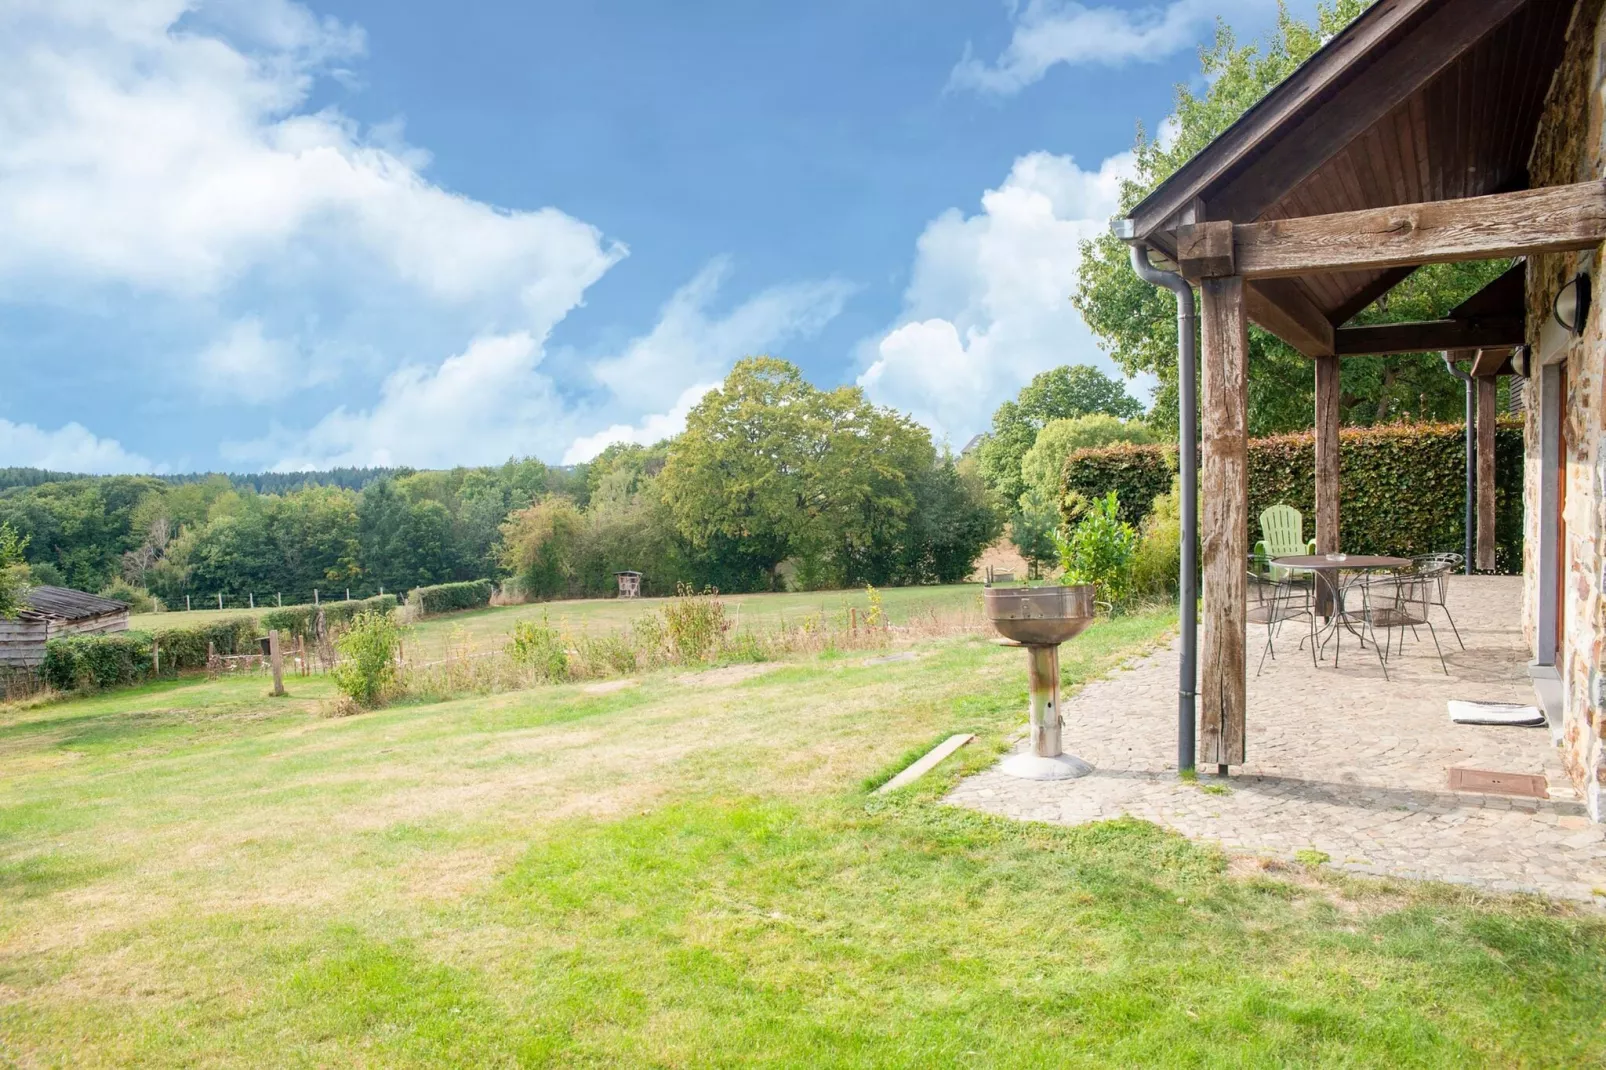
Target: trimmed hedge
x=448, y=597
x=75, y=662
x=185, y=648
x=1402, y=487
x=300, y=620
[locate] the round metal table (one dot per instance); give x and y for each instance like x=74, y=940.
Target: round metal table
x=1330, y=603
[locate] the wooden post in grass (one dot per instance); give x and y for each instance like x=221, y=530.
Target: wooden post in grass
x=301, y=655
x=278, y=599
x=277, y=661
x=156, y=658
x=252, y=595
x=220, y=599
x=186, y=603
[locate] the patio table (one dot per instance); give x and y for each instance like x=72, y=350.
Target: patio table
x=1329, y=593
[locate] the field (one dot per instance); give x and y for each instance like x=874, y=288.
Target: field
x=690, y=870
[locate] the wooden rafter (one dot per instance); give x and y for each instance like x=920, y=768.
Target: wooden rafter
x=1431, y=336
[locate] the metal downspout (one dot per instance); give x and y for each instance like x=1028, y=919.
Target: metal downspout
x=1472, y=457
x=1188, y=462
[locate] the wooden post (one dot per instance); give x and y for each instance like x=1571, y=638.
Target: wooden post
x=1225, y=535
x=186, y=603
x=348, y=594
x=278, y=599
x=252, y=595
x=1486, y=417
x=1327, y=490
x=301, y=655
x=220, y=599
x=315, y=596
x=277, y=661
x=156, y=658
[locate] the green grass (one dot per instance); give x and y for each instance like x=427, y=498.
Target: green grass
x=690, y=872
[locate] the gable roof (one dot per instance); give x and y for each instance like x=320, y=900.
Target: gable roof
x=64, y=603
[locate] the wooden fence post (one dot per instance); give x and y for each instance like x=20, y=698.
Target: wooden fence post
x=1485, y=475
x=220, y=600
x=278, y=662
x=156, y=658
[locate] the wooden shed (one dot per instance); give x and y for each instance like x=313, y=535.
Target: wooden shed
x=53, y=612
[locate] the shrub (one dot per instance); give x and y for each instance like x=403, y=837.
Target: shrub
x=95, y=661
x=539, y=545
x=185, y=647
x=367, y=671
x=1157, y=559
x=695, y=622
x=295, y=621
x=138, y=598
x=1099, y=551
x=539, y=647
x=1401, y=486
x=450, y=597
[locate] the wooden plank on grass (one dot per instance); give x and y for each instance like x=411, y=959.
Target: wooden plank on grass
x=927, y=763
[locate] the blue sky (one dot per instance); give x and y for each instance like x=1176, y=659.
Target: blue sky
x=262, y=234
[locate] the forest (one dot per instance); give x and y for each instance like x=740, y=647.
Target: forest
x=774, y=484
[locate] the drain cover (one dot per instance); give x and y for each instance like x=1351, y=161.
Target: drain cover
x=1529, y=785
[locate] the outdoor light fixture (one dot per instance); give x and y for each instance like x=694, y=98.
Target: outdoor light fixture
x=1571, y=307
x=1521, y=359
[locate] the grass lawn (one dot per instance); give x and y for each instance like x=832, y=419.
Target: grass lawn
x=489, y=628
x=690, y=871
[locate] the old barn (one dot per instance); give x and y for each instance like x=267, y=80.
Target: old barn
x=54, y=612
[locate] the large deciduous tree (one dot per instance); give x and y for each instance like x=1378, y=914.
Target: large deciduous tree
x=1136, y=323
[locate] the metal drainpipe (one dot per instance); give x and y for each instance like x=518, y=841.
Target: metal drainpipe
x=1472, y=456
x=1188, y=461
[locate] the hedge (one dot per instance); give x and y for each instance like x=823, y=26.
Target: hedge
x=300, y=620
x=90, y=661
x=447, y=597
x=1402, y=487
x=185, y=648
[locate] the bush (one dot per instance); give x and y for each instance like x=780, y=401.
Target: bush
x=1157, y=560
x=539, y=647
x=185, y=647
x=94, y=661
x=695, y=623
x=367, y=671
x=1099, y=551
x=293, y=621
x=139, y=600
x=1401, y=486
x=449, y=597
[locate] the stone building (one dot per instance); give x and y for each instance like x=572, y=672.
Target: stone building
x=1428, y=131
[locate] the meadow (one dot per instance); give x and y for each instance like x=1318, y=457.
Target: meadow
x=689, y=867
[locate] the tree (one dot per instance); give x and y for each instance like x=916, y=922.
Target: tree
x=953, y=521
x=1060, y=393
x=1136, y=322
x=13, y=573
x=1044, y=464
x=539, y=545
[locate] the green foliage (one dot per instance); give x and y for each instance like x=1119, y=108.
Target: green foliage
x=1044, y=464
x=367, y=672
x=139, y=600
x=540, y=647
x=1401, y=486
x=86, y=662
x=539, y=546
x=1136, y=322
x=1099, y=551
x=185, y=647
x=449, y=597
x=695, y=623
x=13, y=572
x=302, y=620
x=1135, y=474
x=1156, y=563
x=1062, y=393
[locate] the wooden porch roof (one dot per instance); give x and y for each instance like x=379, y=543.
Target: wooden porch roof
x=1415, y=101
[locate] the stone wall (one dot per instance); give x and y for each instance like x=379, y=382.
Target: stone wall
x=1568, y=148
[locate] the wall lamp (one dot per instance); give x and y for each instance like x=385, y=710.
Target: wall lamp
x=1571, y=307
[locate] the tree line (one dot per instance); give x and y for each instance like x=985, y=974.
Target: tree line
x=774, y=484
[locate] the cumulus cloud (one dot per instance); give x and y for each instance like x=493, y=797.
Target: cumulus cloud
x=653, y=428
x=1050, y=32
x=71, y=448
x=243, y=364
x=987, y=305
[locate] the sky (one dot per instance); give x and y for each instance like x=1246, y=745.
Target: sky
x=257, y=234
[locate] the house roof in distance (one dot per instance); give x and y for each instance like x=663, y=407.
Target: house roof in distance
x=64, y=603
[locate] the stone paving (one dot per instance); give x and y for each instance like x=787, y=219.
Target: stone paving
x=1340, y=761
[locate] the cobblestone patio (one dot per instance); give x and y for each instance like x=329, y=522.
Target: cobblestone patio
x=1340, y=761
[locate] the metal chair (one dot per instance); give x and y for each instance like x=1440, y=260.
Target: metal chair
x=1274, y=600
x=1397, y=601
x=1439, y=567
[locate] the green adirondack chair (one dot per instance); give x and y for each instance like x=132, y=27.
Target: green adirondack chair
x=1282, y=532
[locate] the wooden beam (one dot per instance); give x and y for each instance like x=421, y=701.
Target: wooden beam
x=1398, y=74
x=1224, y=331
x=1430, y=336
x=1281, y=307
x=1327, y=485
x=1485, y=475
x=1553, y=219
x=1491, y=362
x=1304, y=87
x=1204, y=250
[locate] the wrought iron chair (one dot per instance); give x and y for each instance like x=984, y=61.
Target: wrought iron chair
x=1397, y=601
x=1274, y=600
x=1439, y=567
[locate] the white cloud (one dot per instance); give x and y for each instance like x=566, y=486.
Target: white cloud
x=1050, y=32
x=71, y=448
x=653, y=428
x=988, y=304
x=244, y=364
x=690, y=344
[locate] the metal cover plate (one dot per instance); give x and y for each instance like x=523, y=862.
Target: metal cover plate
x=1488, y=782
